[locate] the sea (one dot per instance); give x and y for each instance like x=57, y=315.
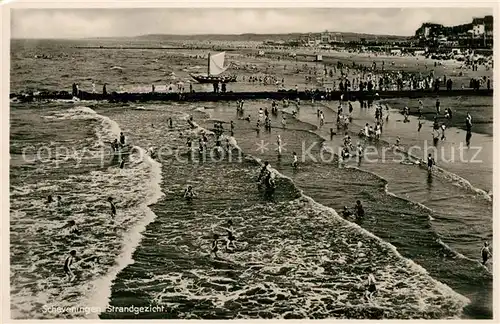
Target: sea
x=296, y=257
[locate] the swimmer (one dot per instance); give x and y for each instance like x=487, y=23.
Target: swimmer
x=278, y=143
x=122, y=138
x=443, y=128
x=73, y=229
x=49, y=200
x=346, y=213
x=360, y=212
x=435, y=136
x=264, y=170
x=468, y=136
x=230, y=236
x=378, y=131
x=152, y=152
x=112, y=205
x=215, y=245
x=430, y=162
x=269, y=181
x=370, y=131
x=283, y=121
x=360, y=150
x=398, y=141
x=189, y=194
x=346, y=138
x=295, y=160
x=67, y=265
x=345, y=153
x=468, y=120
x=371, y=285
x=485, y=253
x=114, y=145
x=446, y=114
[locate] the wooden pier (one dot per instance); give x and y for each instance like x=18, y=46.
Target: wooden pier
x=233, y=96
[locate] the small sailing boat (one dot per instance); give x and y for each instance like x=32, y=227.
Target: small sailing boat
x=214, y=70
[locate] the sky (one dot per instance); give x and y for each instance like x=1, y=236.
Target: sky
x=81, y=23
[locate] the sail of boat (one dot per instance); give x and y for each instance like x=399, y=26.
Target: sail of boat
x=216, y=64
x=214, y=70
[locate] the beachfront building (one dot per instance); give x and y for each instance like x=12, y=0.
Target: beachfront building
x=427, y=32
x=317, y=40
x=488, y=26
x=325, y=37
x=478, y=29
x=476, y=34
x=310, y=40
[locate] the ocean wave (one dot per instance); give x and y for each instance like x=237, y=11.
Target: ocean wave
x=414, y=266
x=134, y=188
x=451, y=177
x=100, y=297
x=110, y=129
x=442, y=287
x=439, y=172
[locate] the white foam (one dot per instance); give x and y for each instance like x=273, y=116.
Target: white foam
x=414, y=266
x=445, y=289
x=100, y=297
x=98, y=290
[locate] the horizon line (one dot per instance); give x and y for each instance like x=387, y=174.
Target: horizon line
x=209, y=34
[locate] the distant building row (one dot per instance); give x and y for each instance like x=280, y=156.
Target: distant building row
x=324, y=38
x=479, y=28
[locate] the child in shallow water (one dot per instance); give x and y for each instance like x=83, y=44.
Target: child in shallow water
x=371, y=287
x=215, y=245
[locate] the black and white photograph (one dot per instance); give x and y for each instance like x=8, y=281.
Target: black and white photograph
x=231, y=163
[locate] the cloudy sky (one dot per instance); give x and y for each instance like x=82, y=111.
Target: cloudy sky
x=76, y=23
